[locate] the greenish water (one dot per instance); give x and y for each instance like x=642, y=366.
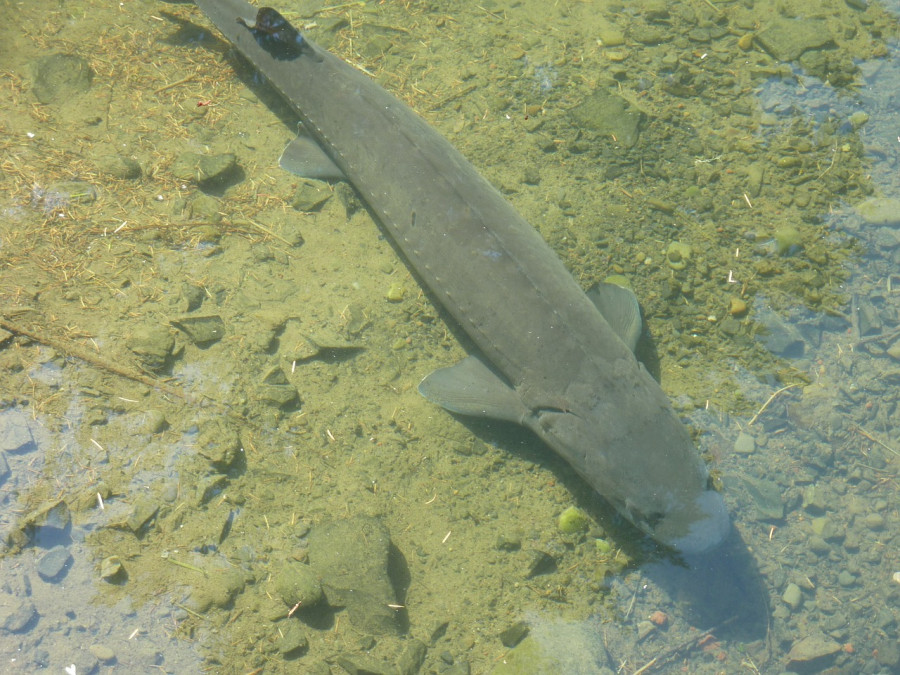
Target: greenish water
x=205, y=388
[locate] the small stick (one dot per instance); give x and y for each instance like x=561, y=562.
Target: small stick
x=890, y=335
x=884, y=445
x=189, y=610
x=76, y=350
x=766, y=404
x=269, y=232
x=187, y=566
x=677, y=648
x=854, y=318
x=183, y=80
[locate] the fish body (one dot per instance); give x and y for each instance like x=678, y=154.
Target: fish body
x=550, y=357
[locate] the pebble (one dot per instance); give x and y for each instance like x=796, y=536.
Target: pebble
x=812, y=647
x=744, y=443
x=874, y=521
x=645, y=628
x=53, y=563
x=659, y=618
x=818, y=545
x=894, y=351
x=111, y=567
x=15, y=433
x=395, y=293
x=846, y=579
x=792, y=595
x=737, y=307
x=103, y=653
x=293, y=641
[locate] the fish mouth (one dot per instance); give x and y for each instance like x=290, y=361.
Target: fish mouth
x=695, y=527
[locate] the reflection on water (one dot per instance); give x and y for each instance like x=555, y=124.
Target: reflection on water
x=207, y=370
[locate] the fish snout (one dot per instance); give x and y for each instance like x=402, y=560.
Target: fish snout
x=695, y=526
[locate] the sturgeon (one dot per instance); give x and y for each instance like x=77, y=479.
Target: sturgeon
x=550, y=357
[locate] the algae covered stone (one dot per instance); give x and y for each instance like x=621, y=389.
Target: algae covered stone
x=297, y=584
x=678, y=254
x=573, y=520
x=787, y=240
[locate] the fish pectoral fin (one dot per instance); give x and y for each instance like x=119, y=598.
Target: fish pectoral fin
x=471, y=388
x=619, y=306
x=304, y=157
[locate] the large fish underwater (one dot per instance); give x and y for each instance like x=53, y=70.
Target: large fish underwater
x=550, y=357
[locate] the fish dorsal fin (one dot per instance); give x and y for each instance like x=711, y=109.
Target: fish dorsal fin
x=304, y=157
x=471, y=388
x=619, y=306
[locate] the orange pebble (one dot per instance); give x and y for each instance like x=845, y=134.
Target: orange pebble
x=848, y=648
x=659, y=618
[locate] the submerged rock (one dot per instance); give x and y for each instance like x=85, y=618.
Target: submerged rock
x=812, y=648
x=17, y=615
x=59, y=77
x=787, y=39
x=351, y=558
x=52, y=565
x=15, y=432
x=610, y=115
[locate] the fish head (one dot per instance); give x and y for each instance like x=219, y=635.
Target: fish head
x=646, y=466
x=691, y=526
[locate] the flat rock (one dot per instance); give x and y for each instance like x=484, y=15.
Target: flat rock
x=351, y=558
x=102, y=653
x=15, y=431
x=293, y=641
x=766, y=496
x=880, y=211
x=787, y=39
x=16, y=614
x=53, y=564
x=609, y=115
x=812, y=647
x=142, y=511
x=744, y=444
x=152, y=344
x=202, y=330
x=54, y=514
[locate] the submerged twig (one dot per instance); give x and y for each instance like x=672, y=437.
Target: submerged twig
x=766, y=404
x=669, y=653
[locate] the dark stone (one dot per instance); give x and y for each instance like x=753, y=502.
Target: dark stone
x=514, y=634
x=54, y=563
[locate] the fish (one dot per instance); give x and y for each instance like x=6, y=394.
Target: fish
x=547, y=355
